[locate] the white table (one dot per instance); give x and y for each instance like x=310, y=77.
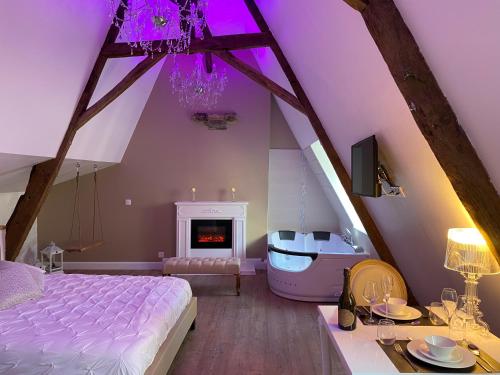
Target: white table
x=359, y=353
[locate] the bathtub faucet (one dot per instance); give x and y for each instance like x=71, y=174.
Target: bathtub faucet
x=347, y=237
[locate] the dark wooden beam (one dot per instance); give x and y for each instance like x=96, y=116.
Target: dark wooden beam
x=365, y=217
x=214, y=43
x=255, y=75
x=43, y=175
x=435, y=118
x=261, y=79
x=359, y=5
x=137, y=72
x=209, y=65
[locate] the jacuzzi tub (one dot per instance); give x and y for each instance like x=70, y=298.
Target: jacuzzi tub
x=309, y=267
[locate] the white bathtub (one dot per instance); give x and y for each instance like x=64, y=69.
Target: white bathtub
x=309, y=269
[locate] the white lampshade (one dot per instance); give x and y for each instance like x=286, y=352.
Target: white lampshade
x=467, y=252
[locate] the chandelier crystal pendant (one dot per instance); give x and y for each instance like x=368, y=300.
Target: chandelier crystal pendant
x=198, y=88
x=172, y=23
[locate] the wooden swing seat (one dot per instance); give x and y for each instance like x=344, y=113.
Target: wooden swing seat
x=81, y=246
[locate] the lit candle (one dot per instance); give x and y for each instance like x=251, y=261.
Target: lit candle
x=233, y=192
x=193, y=191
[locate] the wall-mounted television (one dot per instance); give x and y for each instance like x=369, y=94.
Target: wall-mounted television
x=364, y=168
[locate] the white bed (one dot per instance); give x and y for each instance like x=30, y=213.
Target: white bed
x=88, y=324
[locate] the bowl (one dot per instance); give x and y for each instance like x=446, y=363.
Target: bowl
x=396, y=306
x=440, y=346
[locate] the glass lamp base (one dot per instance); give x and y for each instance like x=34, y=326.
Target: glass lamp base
x=472, y=304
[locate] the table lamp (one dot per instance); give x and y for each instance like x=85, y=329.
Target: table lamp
x=468, y=253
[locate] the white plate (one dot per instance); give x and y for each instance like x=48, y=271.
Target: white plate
x=456, y=355
x=468, y=359
x=409, y=313
x=381, y=308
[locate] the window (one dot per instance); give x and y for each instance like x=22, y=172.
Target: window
x=327, y=167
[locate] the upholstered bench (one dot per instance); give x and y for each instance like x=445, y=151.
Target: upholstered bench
x=204, y=266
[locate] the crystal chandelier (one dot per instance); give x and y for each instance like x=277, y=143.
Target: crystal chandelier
x=198, y=88
x=172, y=22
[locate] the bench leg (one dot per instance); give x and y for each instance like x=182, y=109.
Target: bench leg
x=237, y=284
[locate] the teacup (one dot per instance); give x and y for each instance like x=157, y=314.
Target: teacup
x=440, y=346
x=396, y=306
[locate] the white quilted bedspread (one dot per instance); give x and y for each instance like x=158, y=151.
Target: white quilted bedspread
x=87, y=324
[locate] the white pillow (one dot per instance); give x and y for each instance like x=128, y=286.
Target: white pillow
x=19, y=283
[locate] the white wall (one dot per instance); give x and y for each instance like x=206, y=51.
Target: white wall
x=288, y=171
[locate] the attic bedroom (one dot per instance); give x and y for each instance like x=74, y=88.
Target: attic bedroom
x=249, y=187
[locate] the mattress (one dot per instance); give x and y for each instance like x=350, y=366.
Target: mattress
x=91, y=324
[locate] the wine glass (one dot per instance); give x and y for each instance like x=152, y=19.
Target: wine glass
x=387, y=285
x=449, y=299
x=434, y=310
x=370, y=294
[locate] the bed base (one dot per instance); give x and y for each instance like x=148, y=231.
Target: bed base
x=166, y=354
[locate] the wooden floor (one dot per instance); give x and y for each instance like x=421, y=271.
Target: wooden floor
x=256, y=333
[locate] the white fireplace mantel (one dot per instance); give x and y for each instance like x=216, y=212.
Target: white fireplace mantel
x=235, y=211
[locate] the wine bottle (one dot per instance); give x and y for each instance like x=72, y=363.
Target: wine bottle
x=347, y=305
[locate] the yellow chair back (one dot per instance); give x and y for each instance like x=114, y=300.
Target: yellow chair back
x=374, y=269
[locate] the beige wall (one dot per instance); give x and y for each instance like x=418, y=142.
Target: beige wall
x=167, y=155
x=281, y=135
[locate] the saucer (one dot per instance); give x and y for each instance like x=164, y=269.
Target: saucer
x=468, y=359
x=456, y=355
x=409, y=313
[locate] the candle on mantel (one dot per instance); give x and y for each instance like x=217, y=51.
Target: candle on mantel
x=233, y=192
x=193, y=192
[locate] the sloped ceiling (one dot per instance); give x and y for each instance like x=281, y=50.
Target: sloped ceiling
x=355, y=96
x=51, y=50
x=105, y=138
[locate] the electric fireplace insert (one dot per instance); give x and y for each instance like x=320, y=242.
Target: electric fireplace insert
x=211, y=234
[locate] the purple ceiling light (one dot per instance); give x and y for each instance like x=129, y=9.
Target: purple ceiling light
x=147, y=20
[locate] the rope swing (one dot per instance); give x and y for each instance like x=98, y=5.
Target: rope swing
x=77, y=244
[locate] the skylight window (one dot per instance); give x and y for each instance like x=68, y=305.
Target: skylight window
x=327, y=168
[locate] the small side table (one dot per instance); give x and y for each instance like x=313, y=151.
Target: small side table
x=50, y=254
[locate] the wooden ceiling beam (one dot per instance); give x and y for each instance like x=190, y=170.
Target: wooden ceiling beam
x=43, y=175
x=435, y=118
x=137, y=72
x=365, y=217
x=256, y=76
x=261, y=79
x=208, y=61
x=359, y=5
x=214, y=43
